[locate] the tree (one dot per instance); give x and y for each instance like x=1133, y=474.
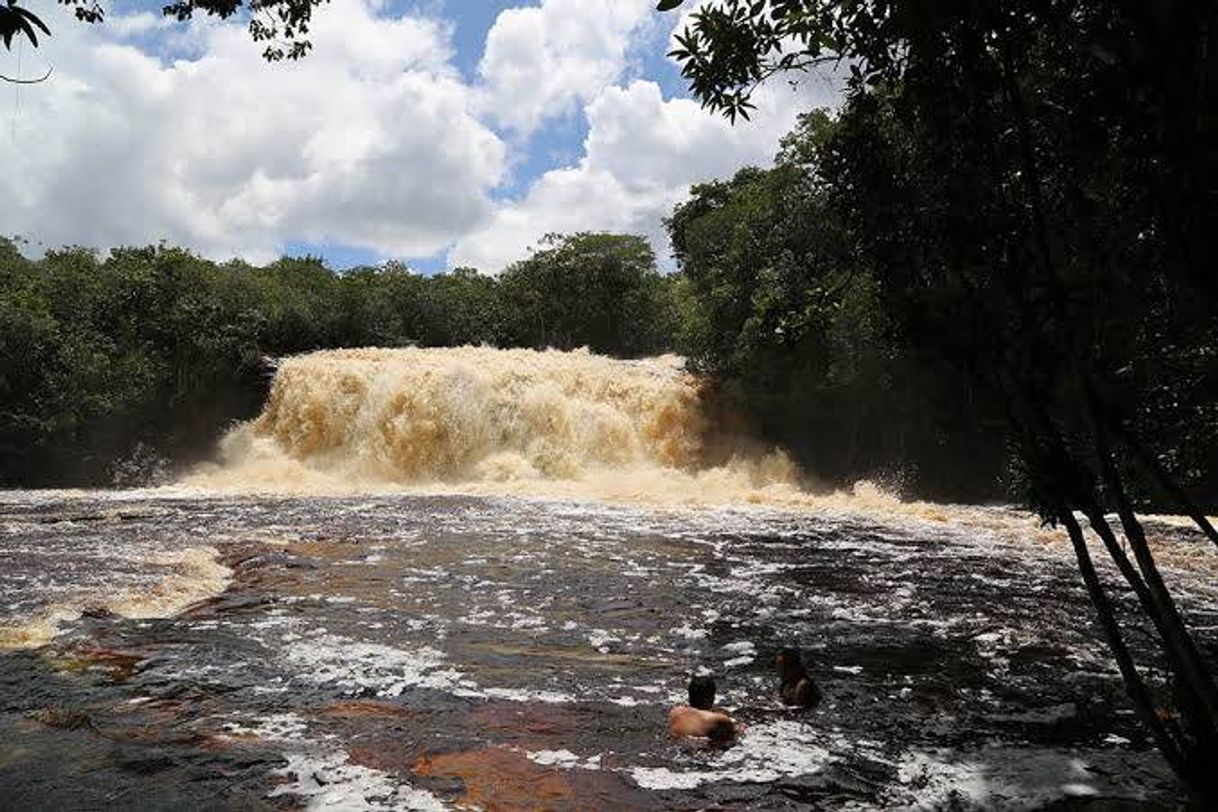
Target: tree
x=282, y=24
x=586, y=290
x=1031, y=182
x=462, y=307
x=788, y=319
x=382, y=307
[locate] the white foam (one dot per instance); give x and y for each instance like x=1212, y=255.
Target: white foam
x=327, y=780
x=600, y=639
x=564, y=759
x=523, y=695
x=765, y=753
x=355, y=666
x=1001, y=777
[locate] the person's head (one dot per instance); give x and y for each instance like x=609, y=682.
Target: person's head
x=790, y=665
x=702, y=692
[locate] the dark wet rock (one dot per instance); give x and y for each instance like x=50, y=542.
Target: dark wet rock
x=360, y=709
x=143, y=762
x=1106, y=805
x=98, y=613
x=63, y=718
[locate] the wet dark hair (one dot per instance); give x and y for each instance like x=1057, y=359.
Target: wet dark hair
x=790, y=665
x=702, y=692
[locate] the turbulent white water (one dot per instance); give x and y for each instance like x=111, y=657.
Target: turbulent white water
x=480, y=421
x=552, y=424
x=495, y=421
x=566, y=425
x=61, y=561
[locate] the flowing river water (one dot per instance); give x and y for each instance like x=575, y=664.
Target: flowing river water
x=436, y=579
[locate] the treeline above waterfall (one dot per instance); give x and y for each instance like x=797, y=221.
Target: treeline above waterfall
x=116, y=368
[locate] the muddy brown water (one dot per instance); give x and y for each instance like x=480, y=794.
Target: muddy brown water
x=435, y=652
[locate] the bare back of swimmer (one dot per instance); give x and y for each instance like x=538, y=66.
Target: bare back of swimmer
x=700, y=718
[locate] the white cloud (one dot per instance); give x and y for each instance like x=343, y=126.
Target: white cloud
x=374, y=141
x=641, y=155
x=371, y=141
x=542, y=61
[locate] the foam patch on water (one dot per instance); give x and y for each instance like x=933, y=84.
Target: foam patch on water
x=600, y=639
x=745, y=651
x=518, y=695
x=37, y=630
x=195, y=573
x=329, y=781
x=764, y=753
x=191, y=575
x=323, y=776
x=356, y=667
x=1002, y=777
x=564, y=759
x=278, y=727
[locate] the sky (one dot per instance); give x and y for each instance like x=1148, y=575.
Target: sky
x=438, y=133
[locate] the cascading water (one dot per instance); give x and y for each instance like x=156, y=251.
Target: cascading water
x=494, y=421
x=569, y=425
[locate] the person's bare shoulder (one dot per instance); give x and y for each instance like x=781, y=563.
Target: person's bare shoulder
x=686, y=721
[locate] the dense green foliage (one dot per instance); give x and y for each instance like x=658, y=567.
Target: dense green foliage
x=599, y=291
x=157, y=348
x=785, y=315
x=1032, y=184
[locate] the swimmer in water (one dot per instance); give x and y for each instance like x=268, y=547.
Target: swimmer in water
x=700, y=718
x=794, y=685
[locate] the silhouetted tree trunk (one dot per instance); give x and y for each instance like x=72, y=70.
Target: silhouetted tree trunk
x=1139, y=694
x=1193, y=754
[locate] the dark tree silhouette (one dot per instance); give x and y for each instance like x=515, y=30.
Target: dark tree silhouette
x=282, y=24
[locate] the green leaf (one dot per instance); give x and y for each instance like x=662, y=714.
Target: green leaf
x=668, y=5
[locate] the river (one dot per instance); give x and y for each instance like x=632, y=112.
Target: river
x=213, y=645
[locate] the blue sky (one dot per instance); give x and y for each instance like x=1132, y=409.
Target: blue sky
x=438, y=133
